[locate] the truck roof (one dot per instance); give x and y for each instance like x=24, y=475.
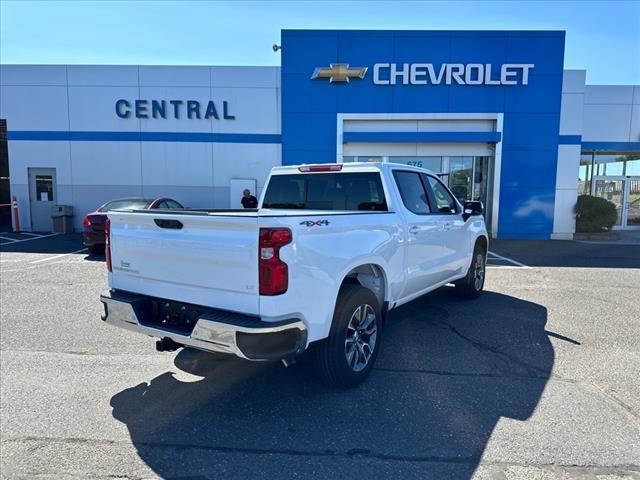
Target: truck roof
x=350, y=166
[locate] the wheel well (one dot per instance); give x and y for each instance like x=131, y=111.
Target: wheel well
x=370, y=276
x=482, y=241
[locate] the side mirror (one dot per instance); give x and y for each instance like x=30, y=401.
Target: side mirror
x=471, y=208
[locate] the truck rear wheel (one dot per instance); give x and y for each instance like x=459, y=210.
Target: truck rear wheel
x=346, y=357
x=472, y=284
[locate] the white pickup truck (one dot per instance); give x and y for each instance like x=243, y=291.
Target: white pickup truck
x=330, y=250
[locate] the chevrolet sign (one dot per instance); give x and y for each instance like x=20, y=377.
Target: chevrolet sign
x=428, y=74
x=448, y=73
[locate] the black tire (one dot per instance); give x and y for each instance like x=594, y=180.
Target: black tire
x=472, y=284
x=331, y=359
x=96, y=249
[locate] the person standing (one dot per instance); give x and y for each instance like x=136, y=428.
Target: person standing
x=248, y=200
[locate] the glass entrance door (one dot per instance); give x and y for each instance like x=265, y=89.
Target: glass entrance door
x=633, y=203
x=624, y=193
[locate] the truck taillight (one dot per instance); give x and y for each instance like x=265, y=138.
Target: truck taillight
x=329, y=167
x=107, y=243
x=273, y=272
x=86, y=223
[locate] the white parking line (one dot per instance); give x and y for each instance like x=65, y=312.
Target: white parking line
x=58, y=256
x=29, y=239
x=506, y=267
x=32, y=234
x=8, y=239
x=510, y=260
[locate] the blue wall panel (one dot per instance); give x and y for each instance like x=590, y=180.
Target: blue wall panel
x=529, y=168
x=531, y=112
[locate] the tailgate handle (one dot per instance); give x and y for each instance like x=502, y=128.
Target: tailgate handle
x=163, y=223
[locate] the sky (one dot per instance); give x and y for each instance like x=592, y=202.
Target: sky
x=602, y=37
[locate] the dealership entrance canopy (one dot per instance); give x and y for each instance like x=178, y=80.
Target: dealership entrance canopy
x=494, y=112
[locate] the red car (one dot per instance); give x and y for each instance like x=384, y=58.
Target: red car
x=93, y=223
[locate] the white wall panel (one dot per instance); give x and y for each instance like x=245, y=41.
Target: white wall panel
x=177, y=163
x=608, y=94
x=105, y=75
x=33, y=75
x=184, y=123
x=564, y=224
x=573, y=81
x=379, y=149
x=380, y=126
x=571, y=114
x=634, y=133
x=242, y=77
x=25, y=154
x=456, y=149
x=568, y=166
x=256, y=110
x=235, y=160
x=191, y=197
x=93, y=108
x=183, y=76
x=606, y=123
x=566, y=191
x=34, y=108
x=106, y=163
x=636, y=95
x=456, y=126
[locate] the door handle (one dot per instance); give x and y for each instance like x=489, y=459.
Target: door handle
x=448, y=225
x=414, y=230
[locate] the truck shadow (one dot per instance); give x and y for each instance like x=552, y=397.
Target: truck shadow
x=449, y=370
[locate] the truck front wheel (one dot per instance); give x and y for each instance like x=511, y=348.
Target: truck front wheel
x=472, y=284
x=347, y=356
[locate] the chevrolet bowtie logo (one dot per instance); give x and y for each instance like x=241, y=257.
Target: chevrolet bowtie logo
x=339, y=72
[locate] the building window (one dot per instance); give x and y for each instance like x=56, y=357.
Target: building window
x=366, y=159
x=606, y=164
x=430, y=163
x=585, y=173
x=44, y=188
x=616, y=164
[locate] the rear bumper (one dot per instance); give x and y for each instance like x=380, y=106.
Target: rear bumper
x=90, y=239
x=215, y=331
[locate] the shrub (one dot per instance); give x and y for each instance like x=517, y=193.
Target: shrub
x=594, y=214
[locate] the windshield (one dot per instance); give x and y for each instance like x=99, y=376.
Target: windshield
x=326, y=191
x=127, y=204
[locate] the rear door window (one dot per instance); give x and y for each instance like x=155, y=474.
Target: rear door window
x=357, y=191
x=173, y=204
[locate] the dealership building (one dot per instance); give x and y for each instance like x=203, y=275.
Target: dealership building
x=493, y=111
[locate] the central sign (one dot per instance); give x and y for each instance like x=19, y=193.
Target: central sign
x=427, y=74
x=193, y=109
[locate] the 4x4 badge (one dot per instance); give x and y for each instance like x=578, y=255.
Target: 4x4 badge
x=315, y=223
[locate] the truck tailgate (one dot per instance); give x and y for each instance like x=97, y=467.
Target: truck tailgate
x=211, y=260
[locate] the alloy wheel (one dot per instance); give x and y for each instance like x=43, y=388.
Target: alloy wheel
x=362, y=333
x=478, y=276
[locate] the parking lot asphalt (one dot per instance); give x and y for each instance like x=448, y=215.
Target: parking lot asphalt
x=538, y=379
